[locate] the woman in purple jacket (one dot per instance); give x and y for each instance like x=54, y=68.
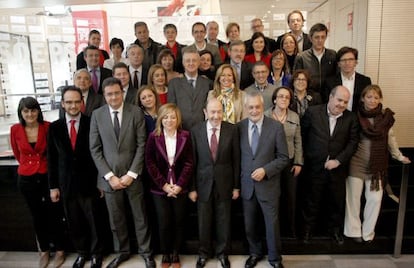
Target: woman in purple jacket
x=169, y=161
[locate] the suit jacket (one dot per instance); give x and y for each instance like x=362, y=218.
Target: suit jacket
x=93, y=101
x=105, y=73
x=246, y=76
x=361, y=81
x=272, y=154
x=150, y=53
x=158, y=166
x=306, y=42
x=31, y=160
x=224, y=173
x=131, y=95
x=190, y=100
x=81, y=63
x=215, y=51
x=72, y=171
x=118, y=156
x=144, y=76
x=319, y=145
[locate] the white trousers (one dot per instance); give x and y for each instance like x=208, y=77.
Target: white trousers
x=353, y=225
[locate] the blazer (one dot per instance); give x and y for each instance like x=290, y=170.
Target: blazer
x=361, y=81
x=72, y=171
x=122, y=155
x=190, y=100
x=131, y=95
x=246, y=76
x=224, y=173
x=144, y=76
x=81, y=63
x=270, y=44
x=272, y=154
x=293, y=135
x=105, y=73
x=158, y=166
x=31, y=160
x=306, y=42
x=319, y=145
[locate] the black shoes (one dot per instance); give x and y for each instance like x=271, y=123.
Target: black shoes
x=338, y=238
x=277, y=264
x=224, y=260
x=252, y=261
x=96, y=261
x=118, y=260
x=149, y=262
x=201, y=262
x=307, y=236
x=79, y=262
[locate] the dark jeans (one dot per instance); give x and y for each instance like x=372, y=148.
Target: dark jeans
x=47, y=216
x=171, y=214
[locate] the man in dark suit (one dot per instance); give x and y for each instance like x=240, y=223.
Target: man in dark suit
x=256, y=25
x=217, y=161
x=94, y=39
x=117, y=141
x=264, y=155
x=295, y=21
x=330, y=136
x=190, y=91
x=347, y=58
x=236, y=52
x=72, y=177
x=120, y=71
x=98, y=74
x=137, y=71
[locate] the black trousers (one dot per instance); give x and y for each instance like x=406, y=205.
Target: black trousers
x=288, y=184
x=82, y=216
x=47, y=216
x=171, y=213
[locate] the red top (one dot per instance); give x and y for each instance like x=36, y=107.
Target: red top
x=174, y=49
x=265, y=58
x=163, y=98
x=31, y=160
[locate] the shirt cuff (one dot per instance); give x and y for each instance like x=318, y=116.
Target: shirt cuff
x=132, y=174
x=109, y=175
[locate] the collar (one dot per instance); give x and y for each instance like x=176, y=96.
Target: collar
x=120, y=109
x=69, y=118
x=97, y=69
x=191, y=77
x=200, y=48
x=261, y=88
x=210, y=127
x=350, y=78
x=132, y=69
x=258, y=123
x=331, y=115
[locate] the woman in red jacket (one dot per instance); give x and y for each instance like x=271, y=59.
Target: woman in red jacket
x=28, y=141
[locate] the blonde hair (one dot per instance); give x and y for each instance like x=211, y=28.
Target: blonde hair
x=216, y=85
x=151, y=72
x=162, y=112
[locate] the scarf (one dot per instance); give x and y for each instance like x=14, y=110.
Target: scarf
x=378, y=135
x=226, y=99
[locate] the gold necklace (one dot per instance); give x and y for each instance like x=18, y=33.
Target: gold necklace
x=282, y=118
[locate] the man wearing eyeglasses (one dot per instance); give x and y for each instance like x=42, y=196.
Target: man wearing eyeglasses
x=260, y=74
x=117, y=142
x=355, y=82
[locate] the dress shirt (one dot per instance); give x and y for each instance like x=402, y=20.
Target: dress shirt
x=259, y=125
x=332, y=121
x=132, y=74
x=68, y=123
x=85, y=96
x=125, y=89
x=236, y=66
x=299, y=39
x=349, y=83
x=189, y=77
x=170, y=144
x=318, y=56
x=210, y=132
x=97, y=72
x=261, y=88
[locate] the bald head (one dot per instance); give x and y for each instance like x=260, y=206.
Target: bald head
x=214, y=112
x=338, y=100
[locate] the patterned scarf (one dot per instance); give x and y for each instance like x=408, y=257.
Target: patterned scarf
x=226, y=99
x=378, y=135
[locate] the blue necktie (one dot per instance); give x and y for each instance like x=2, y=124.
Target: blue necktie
x=255, y=138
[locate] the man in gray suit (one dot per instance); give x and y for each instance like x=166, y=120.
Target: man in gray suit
x=190, y=92
x=117, y=141
x=264, y=155
x=217, y=161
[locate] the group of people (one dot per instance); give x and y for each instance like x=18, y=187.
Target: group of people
x=257, y=116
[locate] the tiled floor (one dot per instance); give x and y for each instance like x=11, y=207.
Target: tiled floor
x=29, y=260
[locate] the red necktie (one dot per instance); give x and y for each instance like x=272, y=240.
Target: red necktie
x=83, y=107
x=73, y=133
x=213, y=144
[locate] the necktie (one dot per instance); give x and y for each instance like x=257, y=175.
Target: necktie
x=191, y=82
x=117, y=127
x=73, y=133
x=238, y=71
x=255, y=138
x=136, y=83
x=213, y=144
x=83, y=107
x=95, y=84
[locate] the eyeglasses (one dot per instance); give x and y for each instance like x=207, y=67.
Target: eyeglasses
x=260, y=72
x=72, y=102
x=301, y=79
x=287, y=97
x=347, y=60
x=113, y=94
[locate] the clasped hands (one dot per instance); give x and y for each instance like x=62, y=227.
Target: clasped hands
x=120, y=183
x=172, y=190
